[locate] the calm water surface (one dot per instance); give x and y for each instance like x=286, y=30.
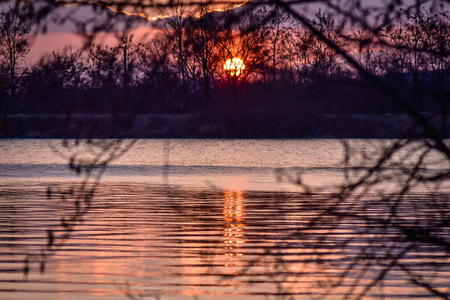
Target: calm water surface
x=225, y=164
x=185, y=219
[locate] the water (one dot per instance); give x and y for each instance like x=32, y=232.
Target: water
x=207, y=219
x=225, y=164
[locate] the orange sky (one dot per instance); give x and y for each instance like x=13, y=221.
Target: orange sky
x=60, y=37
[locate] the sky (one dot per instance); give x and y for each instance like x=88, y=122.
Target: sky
x=60, y=36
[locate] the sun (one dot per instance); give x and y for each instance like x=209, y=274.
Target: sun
x=234, y=66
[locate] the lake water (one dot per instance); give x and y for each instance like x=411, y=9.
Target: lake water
x=224, y=164
x=214, y=219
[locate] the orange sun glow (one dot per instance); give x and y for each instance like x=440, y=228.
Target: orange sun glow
x=235, y=66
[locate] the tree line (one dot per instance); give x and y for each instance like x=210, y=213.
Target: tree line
x=180, y=69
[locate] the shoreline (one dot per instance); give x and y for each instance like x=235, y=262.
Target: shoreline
x=236, y=126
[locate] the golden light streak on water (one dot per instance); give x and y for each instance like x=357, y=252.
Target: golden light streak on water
x=234, y=217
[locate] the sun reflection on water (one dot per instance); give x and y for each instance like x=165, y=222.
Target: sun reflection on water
x=234, y=218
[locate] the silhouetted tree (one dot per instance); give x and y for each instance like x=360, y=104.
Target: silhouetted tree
x=14, y=32
x=105, y=66
x=415, y=53
x=176, y=34
x=202, y=36
x=278, y=37
x=158, y=77
x=324, y=61
x=246, y=40
x=365, y=48
x=59, y=79
x=436, y=28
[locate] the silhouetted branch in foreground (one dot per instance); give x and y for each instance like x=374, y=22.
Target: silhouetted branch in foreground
x=382, y=197
x=89, y=159
x=388, y=208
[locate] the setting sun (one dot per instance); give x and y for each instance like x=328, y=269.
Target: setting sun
x=234, y=66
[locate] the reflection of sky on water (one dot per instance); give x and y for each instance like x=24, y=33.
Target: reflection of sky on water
x=246, y=165
x=186, y=241
x=182, y=244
